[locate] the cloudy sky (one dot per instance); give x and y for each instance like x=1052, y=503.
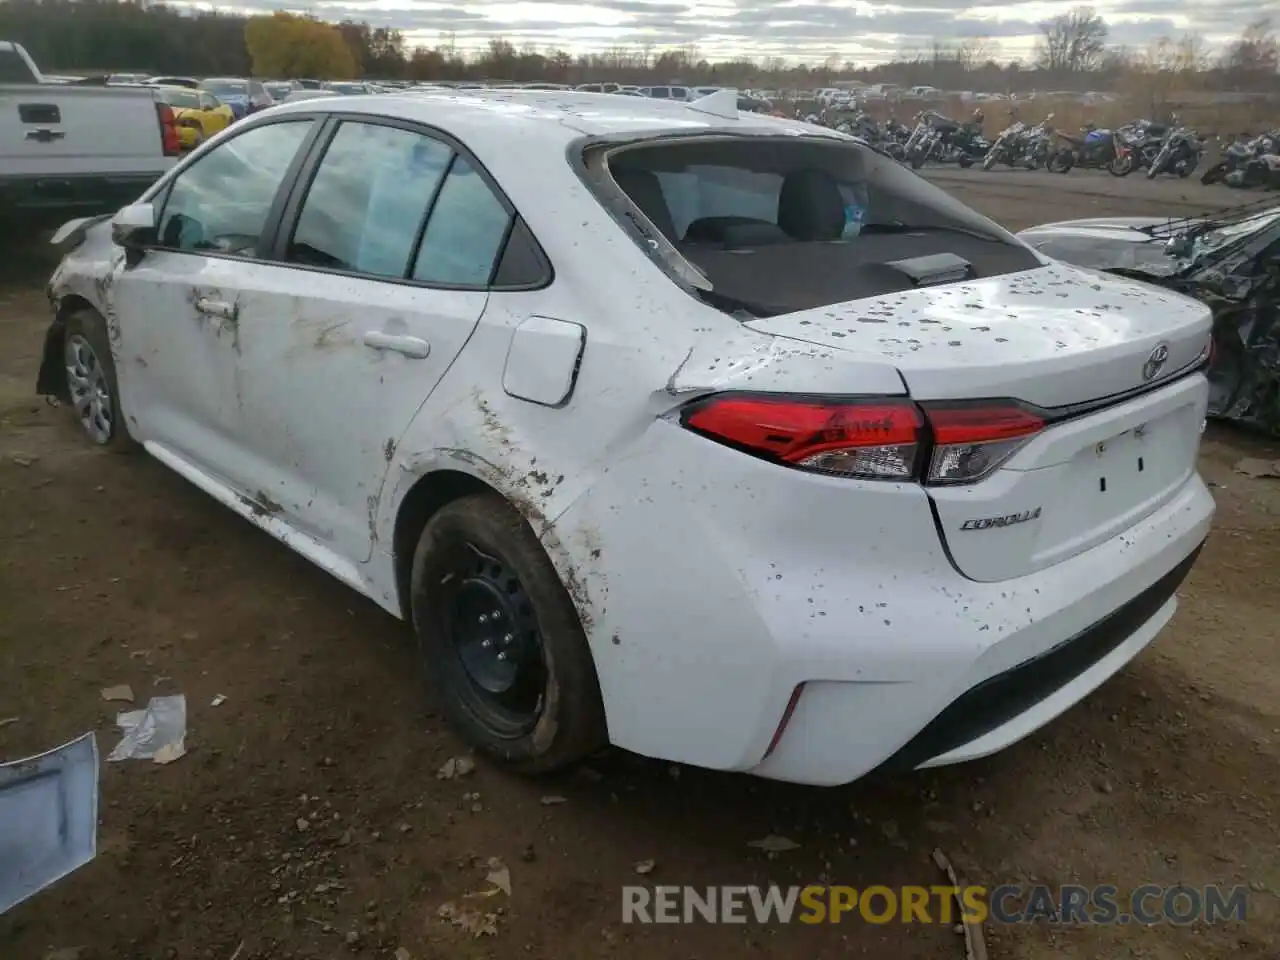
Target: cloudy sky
x=799, y=30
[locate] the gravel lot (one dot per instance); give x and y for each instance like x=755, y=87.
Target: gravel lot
x=308, y=819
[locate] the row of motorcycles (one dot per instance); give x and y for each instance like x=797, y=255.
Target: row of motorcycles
x=1144, y=145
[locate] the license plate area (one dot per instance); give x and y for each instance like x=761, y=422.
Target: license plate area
x=1114, y=477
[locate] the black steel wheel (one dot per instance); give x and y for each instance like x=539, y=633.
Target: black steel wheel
x=502, y=640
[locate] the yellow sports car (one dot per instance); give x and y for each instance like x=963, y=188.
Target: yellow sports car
x=199, y=115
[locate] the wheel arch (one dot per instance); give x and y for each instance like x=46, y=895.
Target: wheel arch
x=428, y=495
x=52, y=379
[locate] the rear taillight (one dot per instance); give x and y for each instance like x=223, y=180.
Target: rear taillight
x=871, y=439
x=970, y=441
x=169, y=139
x=874, y=439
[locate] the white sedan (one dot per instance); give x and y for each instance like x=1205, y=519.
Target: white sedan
x=718, y=437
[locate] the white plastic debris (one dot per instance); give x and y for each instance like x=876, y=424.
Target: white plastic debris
x=156, y=733
x=218, y=701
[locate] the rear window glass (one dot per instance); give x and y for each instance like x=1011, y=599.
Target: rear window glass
x=227, y=88
x=180, y=98
x=784, y=225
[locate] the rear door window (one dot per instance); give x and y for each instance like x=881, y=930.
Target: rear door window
x=467, y=227
x=367, y=202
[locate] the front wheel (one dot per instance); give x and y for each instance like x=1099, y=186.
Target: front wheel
x=965, y=161
x=1061, y=162
x=1215, y=174
x=501, y=639
x=92, y=384
x=917, y=159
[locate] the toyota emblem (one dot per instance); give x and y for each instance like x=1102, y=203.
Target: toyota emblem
x=1155, y=362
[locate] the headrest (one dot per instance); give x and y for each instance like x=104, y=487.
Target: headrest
x=810, y=206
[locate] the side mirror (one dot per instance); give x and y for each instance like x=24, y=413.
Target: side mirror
x=134, y=227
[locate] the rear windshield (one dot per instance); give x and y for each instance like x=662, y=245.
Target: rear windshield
x=227, y=88
x=180, y=98
x=777, y=225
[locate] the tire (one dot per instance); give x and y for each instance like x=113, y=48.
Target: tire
x=1215, y=174
x=527, y=696
x=1121, y=165
x=1061, y=162
x=965, y=161
x=896, y=151
x=917, y=159
x=92, y=382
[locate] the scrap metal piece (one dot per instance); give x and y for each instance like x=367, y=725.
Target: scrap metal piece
x=48, y=818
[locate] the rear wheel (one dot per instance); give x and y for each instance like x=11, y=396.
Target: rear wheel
x=92, y=384
x=501, y=639
x=1061, y=162
x=1121, y=165
x=965, y=161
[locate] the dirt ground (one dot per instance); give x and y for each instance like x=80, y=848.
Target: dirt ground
x=308, y=820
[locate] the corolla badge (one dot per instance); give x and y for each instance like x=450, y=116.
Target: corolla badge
x=1155, y=362
x=1008, y=520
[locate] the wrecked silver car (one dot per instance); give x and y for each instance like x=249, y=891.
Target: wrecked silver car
x=1230, y=260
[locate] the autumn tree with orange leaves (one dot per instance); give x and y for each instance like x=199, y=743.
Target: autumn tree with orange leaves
x=287, y=45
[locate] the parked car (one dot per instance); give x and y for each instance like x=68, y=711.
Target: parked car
x=242, y=96
x=719, y=437
x=354, y=88
x=1230, y=259
x=190, y=82
x=75, y=149
x=668, y=93
x=198, y=114
x=279, y=89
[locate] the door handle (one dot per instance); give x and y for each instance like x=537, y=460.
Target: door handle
x=45, y=135
x=414, y=347
x=216, y=308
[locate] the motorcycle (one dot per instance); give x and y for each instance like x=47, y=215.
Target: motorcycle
x=1179, y=153
x=1005, y=148
x=1094, y=149
x=1036, y=144
x=1240, y=155
x=946, y=141
x=1137, y=145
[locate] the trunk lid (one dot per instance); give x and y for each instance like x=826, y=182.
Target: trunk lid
x=1056, y=337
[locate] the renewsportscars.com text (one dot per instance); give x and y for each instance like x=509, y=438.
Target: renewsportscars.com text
x=1148, y=904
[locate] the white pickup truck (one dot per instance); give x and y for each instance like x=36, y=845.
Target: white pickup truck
x=75, y=149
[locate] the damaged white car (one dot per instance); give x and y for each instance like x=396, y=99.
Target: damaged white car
x=718, y=437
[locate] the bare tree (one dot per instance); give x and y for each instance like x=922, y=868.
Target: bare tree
x=1256, y=53
x=975, y=52
x=1073, y=42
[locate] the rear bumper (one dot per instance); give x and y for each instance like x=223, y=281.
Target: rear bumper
x=985, y=718
x=725, y=583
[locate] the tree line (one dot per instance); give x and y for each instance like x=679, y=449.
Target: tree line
x=1073, y=53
